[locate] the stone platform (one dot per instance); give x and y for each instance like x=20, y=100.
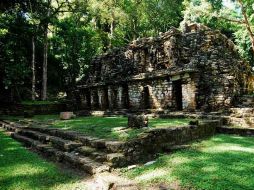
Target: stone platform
x=95, y=155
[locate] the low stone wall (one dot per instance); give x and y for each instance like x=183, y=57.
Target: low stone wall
x=143, y=148
x=45, y=108
x=158, y=140
x=235, y=131
x=19, y=109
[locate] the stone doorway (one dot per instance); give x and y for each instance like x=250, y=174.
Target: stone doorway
x=95, y=100
x=125, y=96
x=88, y=99
x=178, y=94
x=146, y=98
x=105, y=99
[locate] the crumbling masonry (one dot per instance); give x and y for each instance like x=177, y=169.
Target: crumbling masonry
x=197, y=69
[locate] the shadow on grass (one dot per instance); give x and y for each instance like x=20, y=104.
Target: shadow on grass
x=108, y=127
x=102, y=127
x=223, y=162
x=21, y=169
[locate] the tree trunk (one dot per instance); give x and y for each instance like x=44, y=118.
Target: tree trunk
x=45, y=64
x=33, y=68
x=112, y=28
x=247, y=24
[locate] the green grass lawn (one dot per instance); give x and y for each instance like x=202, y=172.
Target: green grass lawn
x=103, y=127
x=223, y=162
x=110, y=127
x=21, y=169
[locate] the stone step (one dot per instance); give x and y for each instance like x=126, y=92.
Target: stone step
x=101, y=144
x=72, y=135
x=86, y=150
x=9, y=126
x=34, y=135
x=97, y=154
x=115, y=159
x=88, y=165
x=57, y=142
x=240, y=111
x=64, y=144
x=25, y=140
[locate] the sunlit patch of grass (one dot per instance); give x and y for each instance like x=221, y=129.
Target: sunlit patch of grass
x=112, y=127
x=160, y=123
x=223, y=162
x=104, y=127
x=21, y=169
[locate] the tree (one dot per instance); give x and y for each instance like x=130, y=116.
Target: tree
x=66, y=34
x=14, y=51
x=74, y=45
x=51, y=8
x=231, y=20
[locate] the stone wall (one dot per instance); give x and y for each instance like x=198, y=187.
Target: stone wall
x=161, y=139
x=35, y=109
x=201, y=63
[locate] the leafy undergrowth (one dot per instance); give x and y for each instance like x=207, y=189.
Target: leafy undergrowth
x=21, y=169
x=223, y=162
x=104, y=127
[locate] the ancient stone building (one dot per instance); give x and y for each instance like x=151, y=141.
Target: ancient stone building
x=197, y=69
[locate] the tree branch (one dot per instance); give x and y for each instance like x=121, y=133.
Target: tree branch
x=247, y=23
x=231, y=20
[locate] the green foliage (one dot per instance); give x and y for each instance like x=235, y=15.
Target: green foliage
x=74, y=45
x=21, y=169
x=219, y=15
x=223, y=162
x=14, y=62
x=78, y=30
x=118, y=22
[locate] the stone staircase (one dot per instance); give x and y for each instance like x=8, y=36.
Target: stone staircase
x=95, y=155
x=90, y=154
x=240, y=117
x=242, y=114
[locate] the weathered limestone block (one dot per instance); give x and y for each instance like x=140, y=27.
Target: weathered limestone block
x=137, y=121
x=67, y=115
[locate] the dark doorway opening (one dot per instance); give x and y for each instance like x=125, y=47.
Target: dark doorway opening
x=88, y=99
x=146, y=98
x=112, y=97
x=125, y=96
x=105, y=98
x=95, y=100
x=178, y=95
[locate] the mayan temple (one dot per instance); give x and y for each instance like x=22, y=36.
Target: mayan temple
x=197, y=69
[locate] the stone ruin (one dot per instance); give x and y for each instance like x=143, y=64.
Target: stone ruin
x=196, y=69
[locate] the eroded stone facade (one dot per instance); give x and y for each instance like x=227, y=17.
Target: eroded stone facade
x=195, y=69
